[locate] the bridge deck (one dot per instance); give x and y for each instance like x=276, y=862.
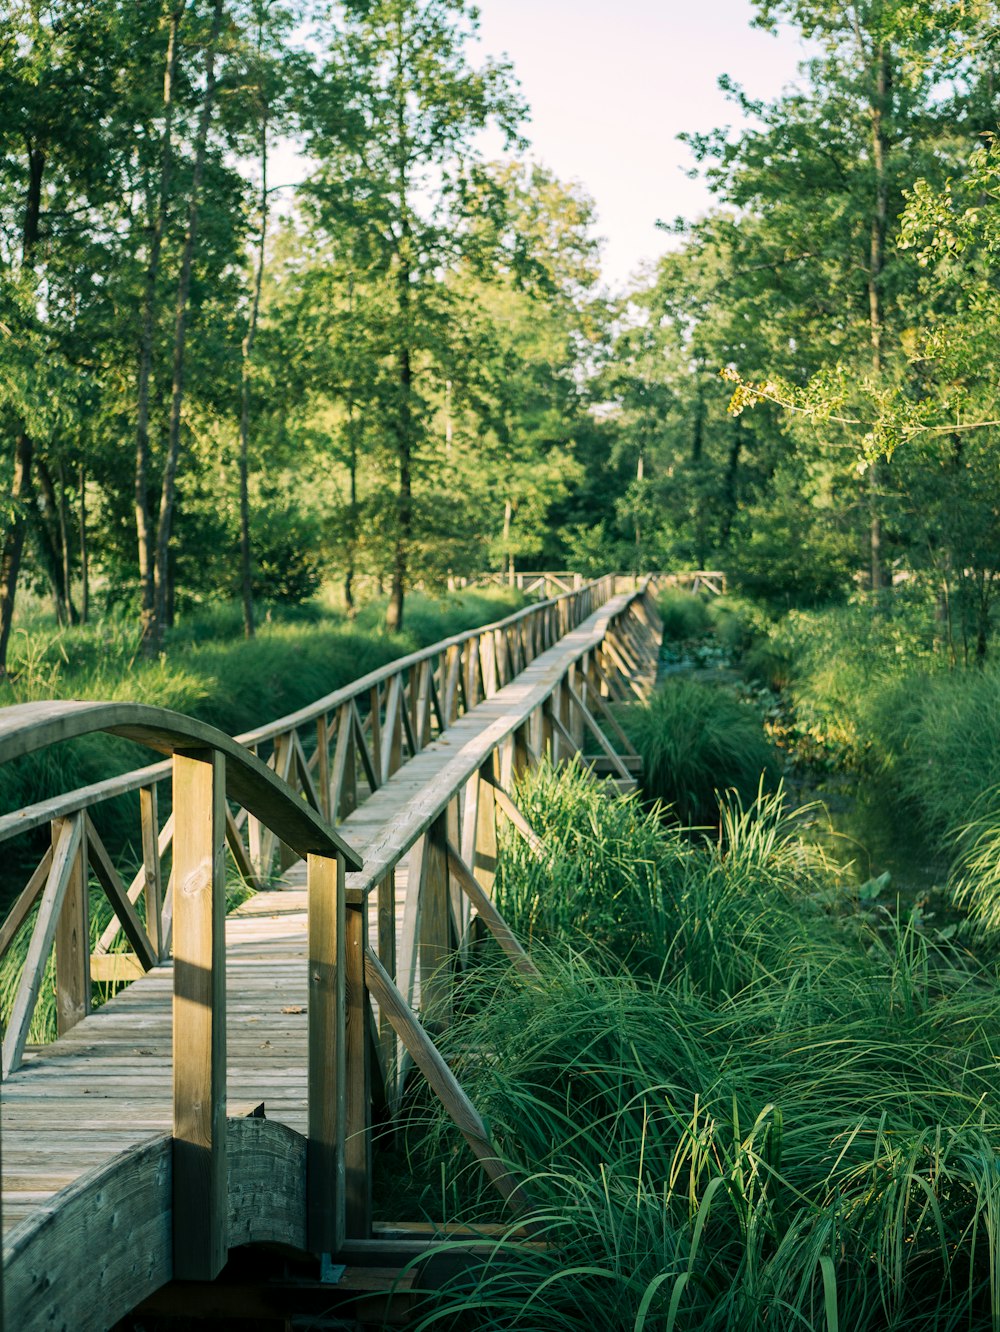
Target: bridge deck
x=102, y=1094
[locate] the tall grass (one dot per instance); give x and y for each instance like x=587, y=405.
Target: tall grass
x=685, y=615
x=696, y=740
x=791, y=1123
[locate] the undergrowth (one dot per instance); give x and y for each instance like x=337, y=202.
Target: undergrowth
x=764, y=1116
x=697, y=740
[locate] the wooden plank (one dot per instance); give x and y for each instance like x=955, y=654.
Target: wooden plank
x=357, y=1036
x=436, y=945
x=386, y=926
x=115, y=968
x=149, y=825
x=490, y=916
x=517, y=819
x=126, y=913
x=72, y=940
x=327, y=1077
x=590, y=721
x=21, y=909
x=136, y=888
x=64, y=853
x=241, y=858
x=442, y=1081
x=199, y=1011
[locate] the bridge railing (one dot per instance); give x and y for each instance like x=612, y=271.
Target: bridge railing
x=333, y=753
x=208, y=771
x=449, y=838
x=711, y=581
x=372, y=1005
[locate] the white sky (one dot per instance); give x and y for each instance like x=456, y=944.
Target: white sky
x=611, y=83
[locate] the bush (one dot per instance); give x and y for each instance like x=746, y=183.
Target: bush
x=685, y=616
x=695, y=741
x=803, y=1138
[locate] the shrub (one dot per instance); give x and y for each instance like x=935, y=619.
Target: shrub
x=697, y=740
x=685, y=617
x=811, y=1144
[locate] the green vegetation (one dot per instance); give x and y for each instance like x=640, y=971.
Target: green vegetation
x=776, y=1117
x=684, y=616
x=212, y=672
x=697, y=740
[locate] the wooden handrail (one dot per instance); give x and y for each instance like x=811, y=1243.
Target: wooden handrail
x=446, y=822
x=208, y=767
x=41, y=812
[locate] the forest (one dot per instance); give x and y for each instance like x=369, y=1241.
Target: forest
x=299, y=339
x=407, y=368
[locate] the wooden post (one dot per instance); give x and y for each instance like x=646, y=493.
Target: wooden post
x=153, y=881
x=357, y=1076
x=323, y=765
x=483, y=860
x=73, y=940
x=327, y=1081
x=387, y=956
x=436, y=945
x=200, y=1185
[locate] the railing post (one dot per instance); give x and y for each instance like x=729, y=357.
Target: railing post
x=200, y=1184
x=73, y=940
x=357, y=1077
x=326, y=1076
x=153, y=885
x=435, y=928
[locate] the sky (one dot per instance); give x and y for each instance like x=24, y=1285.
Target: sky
x=611, y=83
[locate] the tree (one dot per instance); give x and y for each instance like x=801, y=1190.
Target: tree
x=394, y=129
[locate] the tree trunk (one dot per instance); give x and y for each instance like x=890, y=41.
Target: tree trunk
x=352, y=520
x=404, y=499
x=157, y=215
x=168, y=488
x=876, y=264
x=246, y=567
x=404, y=420
x=729, y=487
x=53, y=540
x=84, y=555
x=20, y=490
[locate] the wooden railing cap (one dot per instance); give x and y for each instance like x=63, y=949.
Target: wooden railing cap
x=28, y=727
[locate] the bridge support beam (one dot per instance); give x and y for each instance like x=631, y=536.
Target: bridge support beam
x=200, y=1179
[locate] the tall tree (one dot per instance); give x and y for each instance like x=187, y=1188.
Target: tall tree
x=395, y=129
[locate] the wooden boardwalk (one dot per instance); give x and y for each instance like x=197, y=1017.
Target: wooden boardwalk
x=87, y=1121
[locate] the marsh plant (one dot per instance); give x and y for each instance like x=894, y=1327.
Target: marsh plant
x=697, y=740
x=731, y=1111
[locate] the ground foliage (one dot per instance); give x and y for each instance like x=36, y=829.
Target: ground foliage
x=735, y=1105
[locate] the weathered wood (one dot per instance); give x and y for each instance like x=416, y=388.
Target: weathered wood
x=489, y=915
x=136, y=888
x=115, y=968
x=436, y=943
x=152, y=882
x=64, y=853
x=357, y=1127
x=72, y=940
x=387, y=954
x=200, y=1178
x=327, y=1067
x=21, y=909
x=29, y=727
x=126, y=913
x=514, y=816
x=442, y=1081
x=590, y=722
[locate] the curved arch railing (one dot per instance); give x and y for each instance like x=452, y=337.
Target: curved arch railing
x=333, y=752
x=208, y=770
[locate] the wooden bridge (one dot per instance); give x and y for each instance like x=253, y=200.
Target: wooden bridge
x=225, y=1097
